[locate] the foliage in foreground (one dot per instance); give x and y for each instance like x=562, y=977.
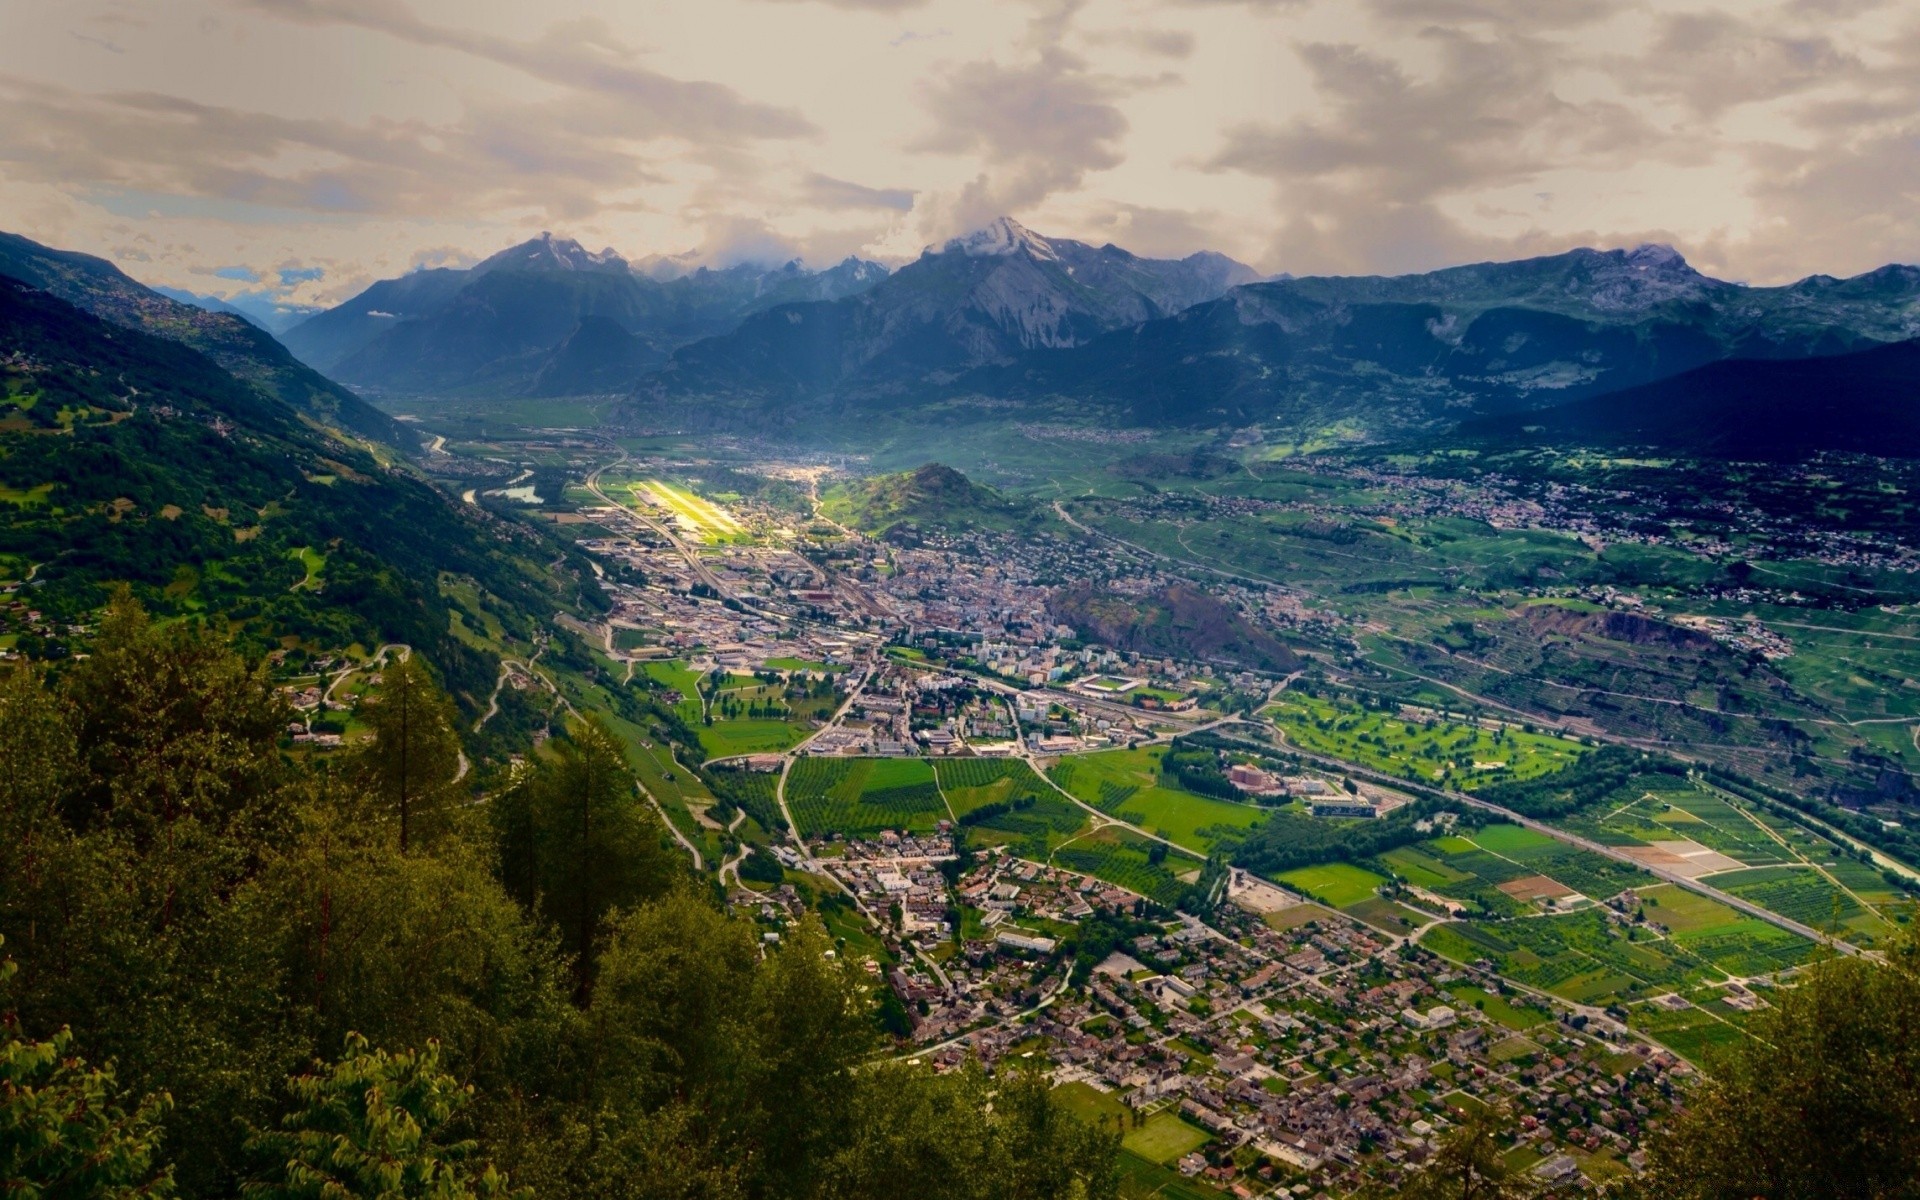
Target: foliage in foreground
x=529, y=989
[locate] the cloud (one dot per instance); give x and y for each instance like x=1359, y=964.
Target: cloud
x=859, y=5
x=1166, y=43
x=1713, y=61
x=824, y=191
x=581, y=55
x=1361, y=180
x=237, y=274
x=1038, y=126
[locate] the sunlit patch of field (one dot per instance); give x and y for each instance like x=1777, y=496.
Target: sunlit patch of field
x=698, y=516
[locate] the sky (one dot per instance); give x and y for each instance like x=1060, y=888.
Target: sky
x=299, y=149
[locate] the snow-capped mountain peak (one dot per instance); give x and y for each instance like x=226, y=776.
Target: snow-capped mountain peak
x=1004, y=236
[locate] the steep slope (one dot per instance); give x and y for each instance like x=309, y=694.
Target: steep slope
x=131, y=458
x=980, y=299
x=1761, y=409
x=519, y=321
x=244, y=349
x=1178, y=621
x=1385, y=353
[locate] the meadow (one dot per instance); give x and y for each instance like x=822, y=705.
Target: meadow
x=1128, y=785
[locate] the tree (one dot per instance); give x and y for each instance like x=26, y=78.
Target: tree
x=413, y=760
x=64, y=1133
x=373, y=1125
x=1821, y=1101
x=575, y=842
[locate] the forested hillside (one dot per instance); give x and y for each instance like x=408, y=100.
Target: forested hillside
x=131, y=458
x=289, y=979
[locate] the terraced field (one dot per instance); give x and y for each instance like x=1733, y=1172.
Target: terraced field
x=857, y=796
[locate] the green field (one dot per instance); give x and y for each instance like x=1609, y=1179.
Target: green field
x=1117, y=856
x=1499, y=1008
x=1092, y=1105
x=1033, y=832
x=857, y=796
x=1127, y=784
x=1804, y=895
x=698, y=516
x=1589, y=959
x=1430, y=749
x=971, y=783
x=1334, y=884
x=1165, y=1139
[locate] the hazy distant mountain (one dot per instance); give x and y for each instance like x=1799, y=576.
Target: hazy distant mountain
x=545, y=317
x=242, y=348
x=1368, y=353
x=1763, y=409
x=274, y=317
x=985, y=298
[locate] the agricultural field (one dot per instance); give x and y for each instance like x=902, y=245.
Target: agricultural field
x=1033, y=831
x=1125, y=858
x=857, y=796
x=1431, y=749
x=1805, y=895
x=973, y=783
x=752, y=792
x=699, y=517
x=1127, y=784
x=1756, y=855
x=1334, y=884
x=1588, y=958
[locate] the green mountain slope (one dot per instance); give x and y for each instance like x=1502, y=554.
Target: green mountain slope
x=131, y=458
x=929, y=496
x=244, y=349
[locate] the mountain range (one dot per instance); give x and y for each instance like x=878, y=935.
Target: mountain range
x=242, y=348
x=1009, y=321
x=1867, y=402
x=127, y=457
x=546, y=317
x=1378, y=354
x=988, y=298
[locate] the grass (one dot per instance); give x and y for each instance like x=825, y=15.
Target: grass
x=1334, y=884
x=1091, y=1105
x=1498, y=1008
x=1433, y=750
x=698, y=516
x=1165, y=1138
x=1127, y=784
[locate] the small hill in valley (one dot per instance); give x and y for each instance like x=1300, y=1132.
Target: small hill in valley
x=1178, y=621
x=932, y=495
